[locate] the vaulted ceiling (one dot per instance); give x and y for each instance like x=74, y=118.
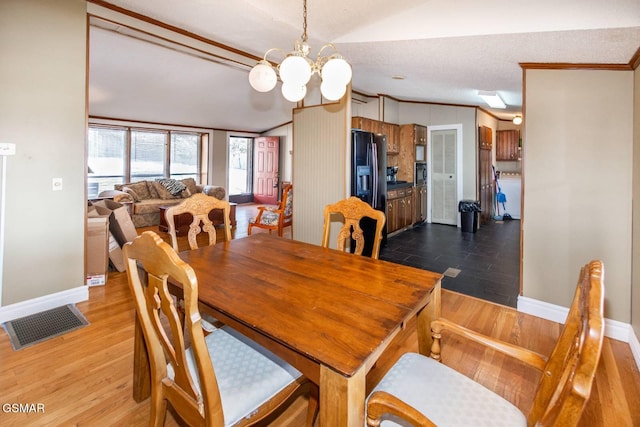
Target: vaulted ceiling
x=446, y=50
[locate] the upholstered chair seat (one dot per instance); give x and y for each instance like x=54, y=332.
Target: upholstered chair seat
x=216, y=379
x=421, y=391
x=248, y=374
x=275, y=218
x=449, y=397
x=270, y=216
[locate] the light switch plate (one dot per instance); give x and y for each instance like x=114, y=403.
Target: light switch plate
x=7, y=149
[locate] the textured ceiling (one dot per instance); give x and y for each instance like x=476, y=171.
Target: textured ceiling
x=446, y=50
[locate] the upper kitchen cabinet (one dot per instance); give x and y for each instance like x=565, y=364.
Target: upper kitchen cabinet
x=485, y=177
x=365, y=124
x=391, y=131
x=413, y=134
x=485, y=136
x=406, y=152
x=421, y=135
x=508, y=144
x=393, y=136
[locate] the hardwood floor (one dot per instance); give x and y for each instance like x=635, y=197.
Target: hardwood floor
x=85, y=377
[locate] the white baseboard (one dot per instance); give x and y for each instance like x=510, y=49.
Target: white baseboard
x=612, y=328
x=555, y=313
x=43, y=303
x=635, y=347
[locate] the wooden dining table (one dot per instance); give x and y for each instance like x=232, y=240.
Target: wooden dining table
x=328, y=313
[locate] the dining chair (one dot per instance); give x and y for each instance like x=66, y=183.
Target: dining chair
x=198, y=205
x=221, y=379
x=424, y=392
x=353, y=210
x=276, y=218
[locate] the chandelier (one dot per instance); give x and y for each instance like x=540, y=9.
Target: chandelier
x=296, y=70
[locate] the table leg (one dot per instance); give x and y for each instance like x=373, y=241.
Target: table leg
x=141, y=368
x=431, y=312
x=342, y=399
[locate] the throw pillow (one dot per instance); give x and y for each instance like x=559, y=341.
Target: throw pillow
x=191, y=185
x=140, y=188
x=152, y=190
x=162, y=192
x=173, y=186
x=131, y=193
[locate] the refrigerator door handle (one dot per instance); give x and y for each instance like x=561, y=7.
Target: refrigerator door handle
x=374, y=190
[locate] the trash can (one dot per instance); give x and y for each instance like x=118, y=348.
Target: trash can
x=469, y=211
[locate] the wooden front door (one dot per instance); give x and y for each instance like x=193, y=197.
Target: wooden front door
x=265, y=176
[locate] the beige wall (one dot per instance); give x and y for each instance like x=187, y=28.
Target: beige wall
x=42, y=111
x=577, y=183
x=635, y=291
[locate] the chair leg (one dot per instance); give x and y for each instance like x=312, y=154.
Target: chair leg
x=312, y=409
x=158, y=411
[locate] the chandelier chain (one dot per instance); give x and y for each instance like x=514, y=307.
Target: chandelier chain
x=304, y=21
x=297, y=68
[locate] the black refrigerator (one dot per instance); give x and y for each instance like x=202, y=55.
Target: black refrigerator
x=369, y=178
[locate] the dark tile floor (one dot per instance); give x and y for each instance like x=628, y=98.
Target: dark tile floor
x=488, y=259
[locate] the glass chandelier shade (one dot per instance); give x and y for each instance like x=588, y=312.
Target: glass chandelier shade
x=296, y=70
x=263, y=77
x=293, y=92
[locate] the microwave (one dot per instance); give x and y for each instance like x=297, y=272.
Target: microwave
x=420, y=175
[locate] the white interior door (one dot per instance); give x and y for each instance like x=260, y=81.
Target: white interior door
x=444, y=176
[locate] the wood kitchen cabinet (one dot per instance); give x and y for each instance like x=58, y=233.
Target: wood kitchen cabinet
x=410, y=136
x=393, y=136
x=420, y=204
x=508, y=144
x=413, y=134
x=365, y=124
x=485, y=137
x=392, y=131
x=399, y=209
x=485, y=183
x=406, y=208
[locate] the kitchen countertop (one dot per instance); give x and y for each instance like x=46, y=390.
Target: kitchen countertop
x=509, y=175
x=399, y=185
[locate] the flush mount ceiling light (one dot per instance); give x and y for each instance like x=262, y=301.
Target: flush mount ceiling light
x=296, y=70
x=492, y=98
x=517, y=120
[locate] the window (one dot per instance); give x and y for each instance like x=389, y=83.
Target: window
x=240, y=172
x=148, y=155
x=117, y=155
x=184, y=158
x=106, y=159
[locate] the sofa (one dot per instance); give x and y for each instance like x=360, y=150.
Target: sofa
x=146, y=197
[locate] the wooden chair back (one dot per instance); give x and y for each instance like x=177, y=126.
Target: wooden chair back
x=153, y=304
x=280, y=217
x=353, y=210
x=567, y=377
x=199, y=205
